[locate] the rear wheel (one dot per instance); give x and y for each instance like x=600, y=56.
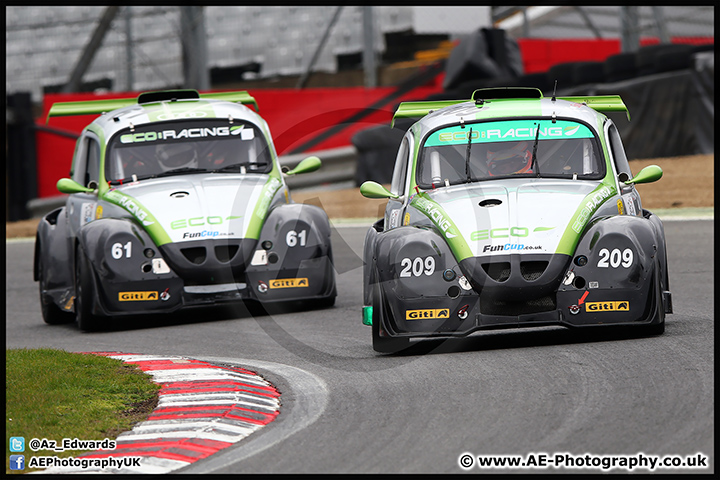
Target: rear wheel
x=51, y=313
x=384, y=344
x=84, y=293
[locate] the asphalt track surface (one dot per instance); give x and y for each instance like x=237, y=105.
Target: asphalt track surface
x=348, y=409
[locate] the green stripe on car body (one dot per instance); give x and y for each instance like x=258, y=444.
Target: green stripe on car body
x=141, y=214
x=447, y=228
x=589, y=205
x=257, y=219
x=275, y=172
x=103, y=187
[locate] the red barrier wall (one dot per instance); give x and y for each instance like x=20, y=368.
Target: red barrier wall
x=294, y=117
x=298, y=116
x=539, y=54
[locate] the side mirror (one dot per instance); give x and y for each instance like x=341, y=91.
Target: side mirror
x=310, y=164
x=372, y=189
x=68, y=185
x=649, y=174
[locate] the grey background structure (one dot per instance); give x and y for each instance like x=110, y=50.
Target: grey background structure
x=143, y=47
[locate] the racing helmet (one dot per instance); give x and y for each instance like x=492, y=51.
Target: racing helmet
x=507, y=161
x=176, y=155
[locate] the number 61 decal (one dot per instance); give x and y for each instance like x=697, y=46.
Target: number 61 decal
x=293, y=238
x=615, y=258
x=117, y=250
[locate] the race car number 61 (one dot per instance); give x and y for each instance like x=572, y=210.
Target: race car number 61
x=615, y=258
x=292, y=238
x=117, y=250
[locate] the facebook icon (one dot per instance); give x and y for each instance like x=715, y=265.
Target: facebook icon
x=17, y=462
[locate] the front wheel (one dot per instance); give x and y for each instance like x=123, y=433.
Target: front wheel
x=384, y=344
x=84, y=293
x=658, y=328
x=51, y=313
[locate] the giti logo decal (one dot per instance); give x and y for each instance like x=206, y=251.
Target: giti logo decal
x=137, y=296
x=431, y=313
x=621, y=306
x=289, y=283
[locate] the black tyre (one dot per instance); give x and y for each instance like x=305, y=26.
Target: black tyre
x=326, y=302
x=384, y=344
x=588, y=72
x=620, y=67
x=538, y=80
x=657, y=328
x=563, y=73
x=51, y=313
x=84, y=293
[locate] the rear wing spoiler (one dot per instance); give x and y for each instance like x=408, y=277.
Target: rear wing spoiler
x=420, y=109
x=600, y=103
x=91, y=107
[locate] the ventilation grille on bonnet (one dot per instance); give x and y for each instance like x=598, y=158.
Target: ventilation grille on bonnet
x=225, y=253
x=532, y=270
x=497, y=271
x=197, y=255
x=500, y=271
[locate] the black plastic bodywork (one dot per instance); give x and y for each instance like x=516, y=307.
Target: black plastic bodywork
x=518, y=290
x=200, y=272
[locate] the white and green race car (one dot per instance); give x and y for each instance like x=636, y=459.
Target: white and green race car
x=512, y=210
x=177, y=199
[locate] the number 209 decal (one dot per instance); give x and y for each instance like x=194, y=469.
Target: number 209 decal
x=615, y=258
x=417, y=266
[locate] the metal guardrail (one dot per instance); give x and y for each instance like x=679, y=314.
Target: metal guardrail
x=338, y=165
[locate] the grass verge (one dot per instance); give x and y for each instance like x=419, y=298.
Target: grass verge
x=53, y=394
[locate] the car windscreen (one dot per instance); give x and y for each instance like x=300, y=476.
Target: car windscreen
x=176, y=148
x=510, y=148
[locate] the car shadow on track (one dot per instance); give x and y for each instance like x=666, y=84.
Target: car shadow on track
x=538, y=337
x=203, y=314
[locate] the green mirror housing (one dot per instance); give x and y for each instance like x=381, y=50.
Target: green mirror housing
x=372, y=189
x=310, y=164
x=649, y=174
x=67, y=185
